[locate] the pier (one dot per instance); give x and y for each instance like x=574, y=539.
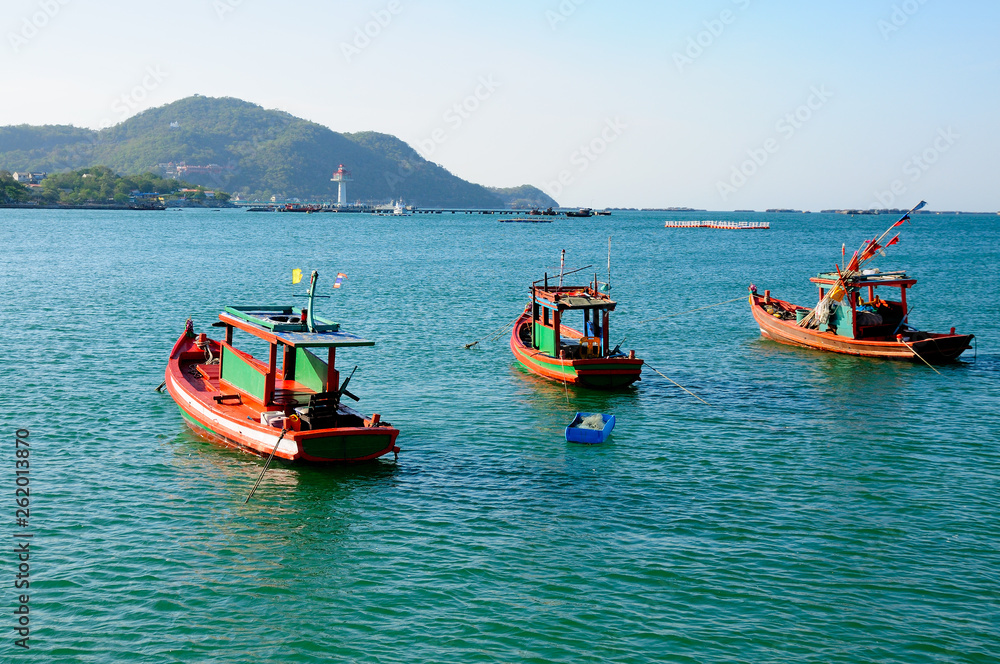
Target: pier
x=388, y=210
x=722, y=225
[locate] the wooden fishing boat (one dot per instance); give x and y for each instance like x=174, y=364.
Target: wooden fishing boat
x=845, y=321
x=544, y=345
x=227, y=395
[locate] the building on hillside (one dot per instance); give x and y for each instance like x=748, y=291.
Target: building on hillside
x=29, y=178
x=184, y=170
x=191, y=192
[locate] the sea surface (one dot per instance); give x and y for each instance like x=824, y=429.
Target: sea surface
x=820, y=508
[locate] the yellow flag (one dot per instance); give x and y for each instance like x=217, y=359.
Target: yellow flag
x=296, y=276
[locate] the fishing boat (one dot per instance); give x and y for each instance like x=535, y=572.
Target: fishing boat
x=293, y=409
x=298, y=207
x=546, y=346
x=852, y=318
x=546, y=213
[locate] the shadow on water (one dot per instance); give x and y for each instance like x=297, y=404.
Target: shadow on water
x=234, y=471
x=813, y=385
x=546, y=395
x=295, y=508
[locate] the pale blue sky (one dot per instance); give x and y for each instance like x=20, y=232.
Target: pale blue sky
x=562, y=75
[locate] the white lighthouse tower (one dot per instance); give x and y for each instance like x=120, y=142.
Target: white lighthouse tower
x=342, y=176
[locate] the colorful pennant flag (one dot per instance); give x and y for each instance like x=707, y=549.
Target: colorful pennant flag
x=854, y=264
x=340, y=280
x=296, y=276
x=870, y=250
x=893, y=241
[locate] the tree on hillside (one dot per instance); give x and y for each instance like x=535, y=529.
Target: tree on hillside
x=100, y=184
x=12, y=191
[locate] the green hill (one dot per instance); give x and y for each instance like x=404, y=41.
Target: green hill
x=524, y=197
x=258, y=153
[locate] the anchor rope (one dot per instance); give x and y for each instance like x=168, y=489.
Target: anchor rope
x=678, y=384
x=912, y=350
x=266, y=465
x=493, y=336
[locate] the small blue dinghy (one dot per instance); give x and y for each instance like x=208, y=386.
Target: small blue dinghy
x=590, y=428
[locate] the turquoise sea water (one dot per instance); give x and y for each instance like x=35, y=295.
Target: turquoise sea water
x=821, y=509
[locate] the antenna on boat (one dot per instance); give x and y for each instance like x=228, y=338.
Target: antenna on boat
x=562, y=267
x=609, y=263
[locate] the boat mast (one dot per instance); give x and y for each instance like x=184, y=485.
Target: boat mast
x=312, y=294
x=562, y=268
x=609, y=264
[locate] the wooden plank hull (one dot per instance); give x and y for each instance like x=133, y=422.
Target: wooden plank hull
x=238, y=424
x=936, y=349
x=607, y=373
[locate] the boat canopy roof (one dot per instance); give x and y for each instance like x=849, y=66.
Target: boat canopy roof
x=282, y=325
x=573, y=299
x=584, y=301
x=868, y=278
x=280, y=319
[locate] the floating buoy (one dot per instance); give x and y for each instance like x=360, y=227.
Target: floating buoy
x=590, y=428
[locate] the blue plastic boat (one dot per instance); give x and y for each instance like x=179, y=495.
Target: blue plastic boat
x=575, y=433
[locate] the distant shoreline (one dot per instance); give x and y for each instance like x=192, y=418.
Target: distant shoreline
x=108, y=206
x=229, y=206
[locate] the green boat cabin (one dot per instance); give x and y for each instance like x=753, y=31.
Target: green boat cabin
x=302, y=372
x=550, y=307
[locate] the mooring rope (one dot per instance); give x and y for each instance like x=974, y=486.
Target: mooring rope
x=678, y=384
x=918, y=355
x=493, y=336
x=684, y=313
x=254, y=490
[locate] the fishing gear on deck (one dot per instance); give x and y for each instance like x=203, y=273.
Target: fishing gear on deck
x=820, y=314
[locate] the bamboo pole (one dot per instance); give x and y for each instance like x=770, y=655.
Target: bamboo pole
x=848, y=274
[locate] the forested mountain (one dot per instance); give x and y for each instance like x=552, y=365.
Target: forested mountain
x=255, y=153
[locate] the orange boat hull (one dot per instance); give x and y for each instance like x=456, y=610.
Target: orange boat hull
x=598, y=373
x=238, y=425
x=936, y=348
